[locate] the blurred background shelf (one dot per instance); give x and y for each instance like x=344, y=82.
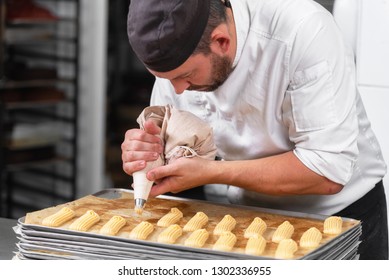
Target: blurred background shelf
x=39, y=95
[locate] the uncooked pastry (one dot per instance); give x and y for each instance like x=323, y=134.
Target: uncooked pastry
x=142, y=231
x=197, y=238
x=196, y=222
x=283, y=231
x=170, y=234
x=86, y=221
x=57, y=219
x=255, y=245
x=286, y=249
x=225, y=242
x=311, y=238
x=170, y=218
x=113, y=226
x=228, y=223
x=257, y=227
x=333, y=225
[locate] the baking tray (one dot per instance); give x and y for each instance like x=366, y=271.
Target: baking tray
x=109, y=248
x=36, y=238
x=53, y=241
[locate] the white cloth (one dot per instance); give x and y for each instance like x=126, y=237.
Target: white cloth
x=183, y=133
x=293, y=88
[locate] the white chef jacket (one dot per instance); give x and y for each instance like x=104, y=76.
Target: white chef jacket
x=293, y=88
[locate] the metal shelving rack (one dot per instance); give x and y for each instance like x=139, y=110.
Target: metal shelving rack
x=38, y=173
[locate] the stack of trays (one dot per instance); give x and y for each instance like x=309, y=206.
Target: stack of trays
x=43, y=242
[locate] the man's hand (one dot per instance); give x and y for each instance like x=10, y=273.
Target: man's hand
x=182, y=174
x=140, y=146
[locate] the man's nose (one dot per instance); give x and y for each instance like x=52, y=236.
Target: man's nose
x=180, y=86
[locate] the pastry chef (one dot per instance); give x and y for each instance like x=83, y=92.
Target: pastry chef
x=276, y=82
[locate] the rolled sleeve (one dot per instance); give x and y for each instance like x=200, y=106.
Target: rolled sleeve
x=336, y=167
x=319, y=105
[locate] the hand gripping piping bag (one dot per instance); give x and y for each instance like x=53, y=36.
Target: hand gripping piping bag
x=183, y=135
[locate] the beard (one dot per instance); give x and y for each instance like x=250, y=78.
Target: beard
x=221, y=69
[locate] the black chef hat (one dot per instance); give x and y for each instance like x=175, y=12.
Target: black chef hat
x=164, y=33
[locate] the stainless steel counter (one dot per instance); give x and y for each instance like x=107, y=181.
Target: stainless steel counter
x=7, y=239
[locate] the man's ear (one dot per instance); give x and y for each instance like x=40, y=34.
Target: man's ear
x=220, y=40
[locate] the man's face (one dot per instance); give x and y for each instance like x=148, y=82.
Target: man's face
x=199, y=72
x=221, y=67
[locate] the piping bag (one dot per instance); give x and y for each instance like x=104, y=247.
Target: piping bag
x=183, y=135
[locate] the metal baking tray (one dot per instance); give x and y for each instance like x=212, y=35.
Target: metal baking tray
x=37, y=241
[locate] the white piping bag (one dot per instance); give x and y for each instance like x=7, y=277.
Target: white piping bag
x=142, y=185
